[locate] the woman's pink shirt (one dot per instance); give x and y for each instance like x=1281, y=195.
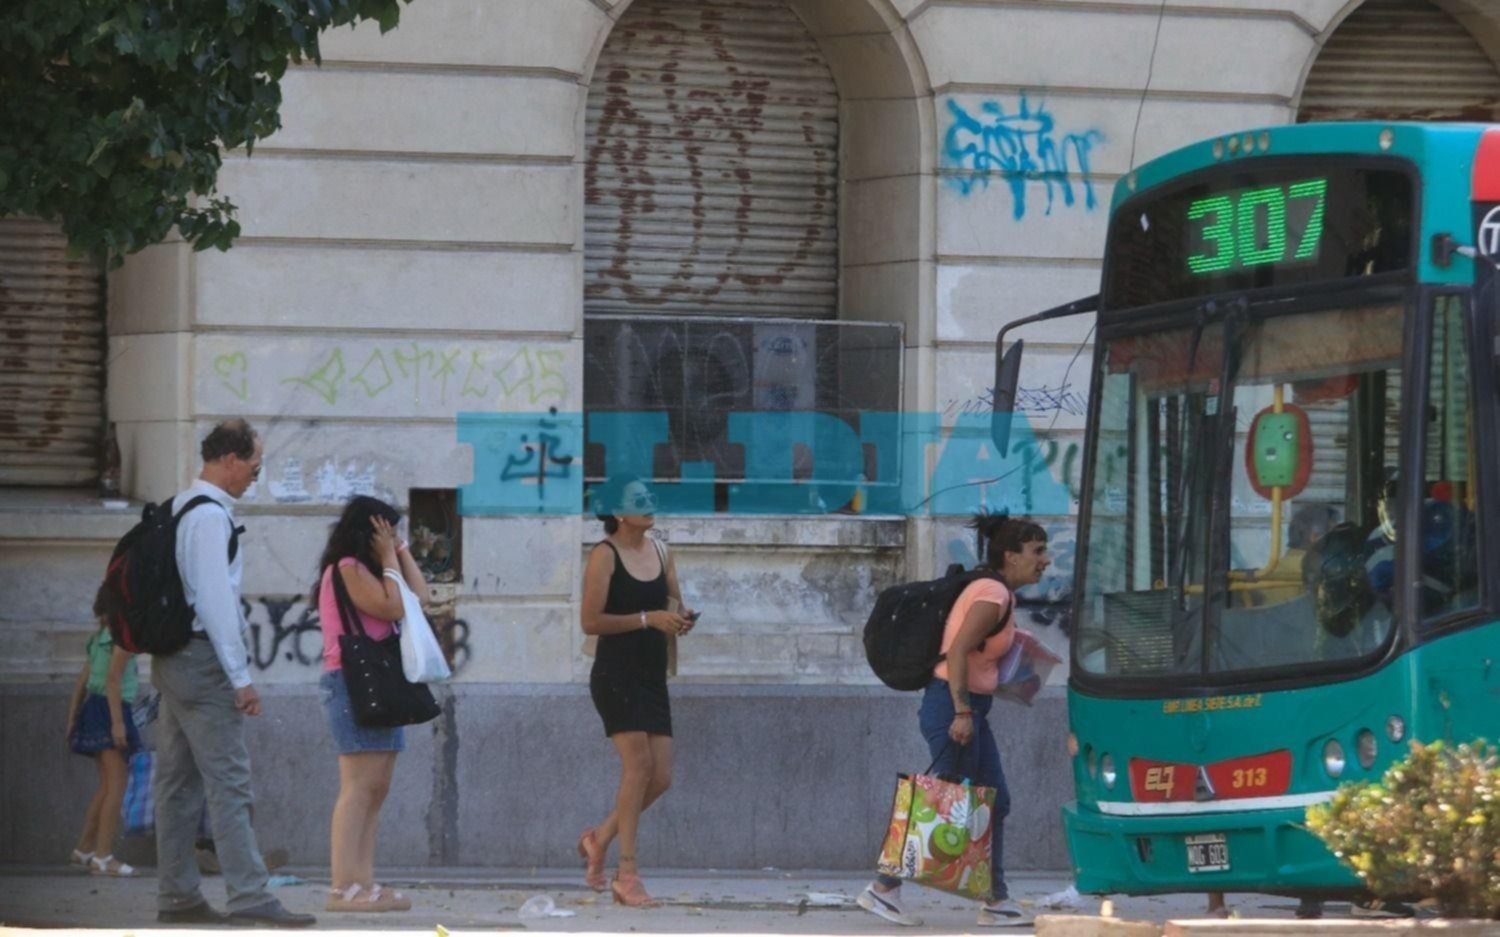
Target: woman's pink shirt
x=328, y=614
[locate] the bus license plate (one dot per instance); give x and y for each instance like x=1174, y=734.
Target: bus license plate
x=1207, y=853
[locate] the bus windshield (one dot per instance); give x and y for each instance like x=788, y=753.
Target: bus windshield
x=1311, y=541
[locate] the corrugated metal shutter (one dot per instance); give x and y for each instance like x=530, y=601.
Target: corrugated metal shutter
x=712, y=178
x=1329, y=422
x=1401, y=60
x=51, y=358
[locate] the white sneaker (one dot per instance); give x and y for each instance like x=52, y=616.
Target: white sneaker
x=1066, y=900
x=887, y=904
x=1003, y=913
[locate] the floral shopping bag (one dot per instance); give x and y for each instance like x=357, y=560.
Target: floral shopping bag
x=939, y=835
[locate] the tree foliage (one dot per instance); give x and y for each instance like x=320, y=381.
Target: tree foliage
x=114, y=113
x=1429, y=828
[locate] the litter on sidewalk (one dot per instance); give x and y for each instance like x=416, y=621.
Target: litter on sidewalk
x=540, y=906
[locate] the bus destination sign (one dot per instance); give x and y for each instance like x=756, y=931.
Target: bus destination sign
x=1274, y=224
x=1246, y=227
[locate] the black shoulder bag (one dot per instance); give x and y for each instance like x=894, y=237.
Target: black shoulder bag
x=379, y=692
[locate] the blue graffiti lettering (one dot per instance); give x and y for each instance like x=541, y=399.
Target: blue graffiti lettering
x=1018, y=148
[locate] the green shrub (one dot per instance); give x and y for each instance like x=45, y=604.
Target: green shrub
x=1430, y=828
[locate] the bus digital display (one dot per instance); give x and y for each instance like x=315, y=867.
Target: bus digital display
x=1249, y=228
x=1246, y=227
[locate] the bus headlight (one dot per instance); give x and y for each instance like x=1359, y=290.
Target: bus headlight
x=1092, y=759
x=1364, y=748
x=1333, y=758
x=1107, y=770
x=1395, y=728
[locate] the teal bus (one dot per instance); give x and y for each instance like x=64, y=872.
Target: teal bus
x=1287, y=533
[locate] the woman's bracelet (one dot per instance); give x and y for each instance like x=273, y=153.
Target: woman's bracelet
x=962, y=712
x=643, y=619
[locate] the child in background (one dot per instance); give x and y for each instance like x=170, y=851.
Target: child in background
x=102, y=728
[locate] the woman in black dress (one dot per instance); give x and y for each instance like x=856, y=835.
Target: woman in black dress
x=626, y=585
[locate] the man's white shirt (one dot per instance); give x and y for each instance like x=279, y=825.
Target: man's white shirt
x=210, y=581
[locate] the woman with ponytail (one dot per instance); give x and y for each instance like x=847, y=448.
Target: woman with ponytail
x=956, y=704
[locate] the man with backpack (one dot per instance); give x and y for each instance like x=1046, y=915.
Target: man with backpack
x=206, y=691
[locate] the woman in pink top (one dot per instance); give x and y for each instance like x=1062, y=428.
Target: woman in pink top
x=362, y=550
x=956, y=704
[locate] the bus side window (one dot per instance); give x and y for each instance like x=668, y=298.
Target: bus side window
x=1449, y=545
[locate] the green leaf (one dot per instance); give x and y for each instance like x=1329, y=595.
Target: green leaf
x=388, y=16
x=124, y=106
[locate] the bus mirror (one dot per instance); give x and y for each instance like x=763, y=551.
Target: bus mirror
x=1008, y=369
x=1007, y=376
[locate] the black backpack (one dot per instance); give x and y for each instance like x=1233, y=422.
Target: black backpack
x=904, y=634
x=150, y=613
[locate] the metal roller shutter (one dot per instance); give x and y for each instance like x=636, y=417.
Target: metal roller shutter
x=712, y=178
x=51, y=358
x=1401, y=60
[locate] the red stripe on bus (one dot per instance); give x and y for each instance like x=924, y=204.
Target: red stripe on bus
x=1486, y=181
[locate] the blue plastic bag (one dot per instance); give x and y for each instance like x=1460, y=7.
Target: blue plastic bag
x=138, y=810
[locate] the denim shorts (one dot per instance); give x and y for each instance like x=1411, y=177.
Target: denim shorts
x=350, y=737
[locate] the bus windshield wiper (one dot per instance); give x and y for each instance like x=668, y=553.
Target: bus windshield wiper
x=1177, y=568
x=1221, y=449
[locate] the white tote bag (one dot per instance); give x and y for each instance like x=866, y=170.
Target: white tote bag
x=421, y=657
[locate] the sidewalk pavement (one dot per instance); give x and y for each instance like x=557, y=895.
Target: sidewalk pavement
x=770, y=901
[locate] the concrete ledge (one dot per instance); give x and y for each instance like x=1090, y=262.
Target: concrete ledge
x=1250, y=927
x=1089, y=925
x=1083, y=925
x=62, y=514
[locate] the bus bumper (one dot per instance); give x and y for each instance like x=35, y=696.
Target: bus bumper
x=1270, y=851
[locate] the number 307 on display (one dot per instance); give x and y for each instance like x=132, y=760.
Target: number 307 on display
x=1248, y=228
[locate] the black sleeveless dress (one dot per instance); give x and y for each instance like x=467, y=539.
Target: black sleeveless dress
x=629, y=679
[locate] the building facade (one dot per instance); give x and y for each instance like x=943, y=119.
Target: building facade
x=549, y=210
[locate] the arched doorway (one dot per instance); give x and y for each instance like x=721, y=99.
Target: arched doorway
x=1401, y=60
x=714, y=258
x=711, y=182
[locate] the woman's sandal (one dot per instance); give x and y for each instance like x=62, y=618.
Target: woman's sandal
x=84, y=860
x=393, y=898
x=593, y=861
x=357, y=899
x=343, y=899
x=109, y=865
x=629, y=891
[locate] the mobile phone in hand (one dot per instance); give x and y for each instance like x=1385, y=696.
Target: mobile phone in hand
x=694, y=616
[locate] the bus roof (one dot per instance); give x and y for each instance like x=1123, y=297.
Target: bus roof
x=1443, y=153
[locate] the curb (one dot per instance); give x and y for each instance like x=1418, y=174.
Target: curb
x=1251, y=927
x=1091, y=925
x=1081, y=925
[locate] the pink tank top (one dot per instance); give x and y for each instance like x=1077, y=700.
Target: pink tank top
x=333, y=626
x=984, y=664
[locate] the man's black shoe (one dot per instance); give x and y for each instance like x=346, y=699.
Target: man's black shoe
x=270, y=914
x=195, y=914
